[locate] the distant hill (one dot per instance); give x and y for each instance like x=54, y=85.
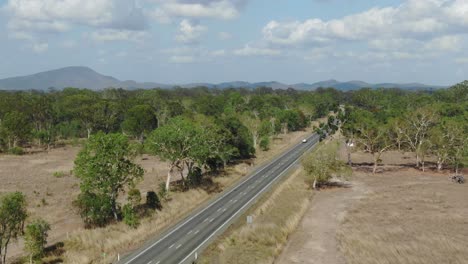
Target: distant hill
x=84, y=77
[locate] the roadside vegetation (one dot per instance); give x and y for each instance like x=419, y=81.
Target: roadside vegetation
x=199, y=133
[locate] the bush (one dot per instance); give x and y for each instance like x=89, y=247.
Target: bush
x=16, y=151
x=59, y=174
x=96, y=210
x=130, y=217
x=134, y=197
x=265, y=143
x=152, y=201
x=35, y=238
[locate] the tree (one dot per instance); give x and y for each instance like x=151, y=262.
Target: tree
x=174, y=142
x=371, y=136
x=253, y=123
x=35, y=239
x=105, y=167
x=15, y=127
x=139, y=121
x=323, y=163
x=416, y=130
x=12, y=216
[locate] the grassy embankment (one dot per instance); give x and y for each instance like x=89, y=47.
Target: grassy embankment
x=276, y=216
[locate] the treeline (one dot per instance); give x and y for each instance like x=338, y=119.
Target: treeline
x=429, y=124
x=42, y=118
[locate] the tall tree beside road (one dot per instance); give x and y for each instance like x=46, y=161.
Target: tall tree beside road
x=105, y=168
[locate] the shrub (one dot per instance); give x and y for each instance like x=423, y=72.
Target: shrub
x=130, y=217
x=59, y=174
x=16, y=151
x=265, y=143
x=35, y=238
x=96, y=210
x=134, y=197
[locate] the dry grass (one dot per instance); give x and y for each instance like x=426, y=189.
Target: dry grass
x=102, y=245
x=275, y=218
x=34, y=175
x=408, y=216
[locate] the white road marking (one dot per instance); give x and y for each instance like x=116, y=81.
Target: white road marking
x=205, y=220
x=196, y=232
x=178, y=246
x=285, y=154
x=238, y=211
x=224, y=210
x=150, y=262
x=212, y=220
x=171, y=246
x=158, y=262
x=190, y=232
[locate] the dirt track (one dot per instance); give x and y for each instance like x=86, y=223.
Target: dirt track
x=314, y=241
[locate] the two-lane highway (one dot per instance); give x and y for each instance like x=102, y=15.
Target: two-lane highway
x=185, y=241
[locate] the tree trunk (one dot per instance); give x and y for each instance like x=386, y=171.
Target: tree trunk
x=376, y=160
x=314, y=185
x=168, y=180
x=417, y=160
x=114, y=207
x=439, y=164
x=89, y=132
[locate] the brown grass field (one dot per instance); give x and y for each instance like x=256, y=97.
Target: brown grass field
x=46, y=179
x=406, y=216
x=400, y=215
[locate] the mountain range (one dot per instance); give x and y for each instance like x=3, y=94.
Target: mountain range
x=84, y=77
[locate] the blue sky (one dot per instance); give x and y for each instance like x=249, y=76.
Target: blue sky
x=291, y=41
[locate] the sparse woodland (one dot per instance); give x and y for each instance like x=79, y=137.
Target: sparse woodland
x=200, y=130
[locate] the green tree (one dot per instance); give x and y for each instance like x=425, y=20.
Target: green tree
x=105, y=168
x=35, y=239
x=175, y=142
x=322, y=164
x=371, y=136
x=12, y=216
x=139, y=121
x=15, y=127
x=416, y=130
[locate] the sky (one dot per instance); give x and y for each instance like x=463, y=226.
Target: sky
x=291, y=41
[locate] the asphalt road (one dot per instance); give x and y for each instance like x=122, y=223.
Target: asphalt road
x=185, y=241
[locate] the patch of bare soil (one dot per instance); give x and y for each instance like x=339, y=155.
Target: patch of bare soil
x=314, y=240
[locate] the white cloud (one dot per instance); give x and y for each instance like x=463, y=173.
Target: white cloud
x=462, y=60
x=445, y=43
x=188, y=32
x=247, y=50
x=218, y=53
x=181, y=59
x=218, y=9
x=68, y=44
x=414, y=19
x=224, y=35
x=40, y=47
x=57, y=16
x=118, y=35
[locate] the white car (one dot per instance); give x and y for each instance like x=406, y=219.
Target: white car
x=304, y=140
